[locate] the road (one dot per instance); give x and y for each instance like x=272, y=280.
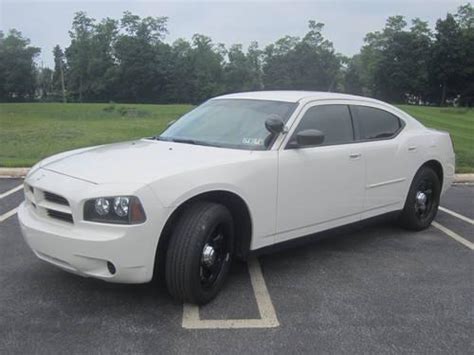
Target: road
x=377, y=289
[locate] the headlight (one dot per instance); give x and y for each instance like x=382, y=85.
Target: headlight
x=115, y=209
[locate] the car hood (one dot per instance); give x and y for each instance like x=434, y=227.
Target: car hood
x=139, y=161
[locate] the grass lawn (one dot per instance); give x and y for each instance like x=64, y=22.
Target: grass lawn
x=32, y=131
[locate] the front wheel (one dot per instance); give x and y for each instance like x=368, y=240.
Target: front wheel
x=200, y=252
x=422, y=201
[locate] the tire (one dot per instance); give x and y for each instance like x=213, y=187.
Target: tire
x=417, y=215
x=191, y=274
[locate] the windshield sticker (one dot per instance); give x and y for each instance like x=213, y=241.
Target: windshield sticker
x=252, y=141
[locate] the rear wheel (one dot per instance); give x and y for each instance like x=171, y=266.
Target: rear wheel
x=422, y=201
x=199, y=253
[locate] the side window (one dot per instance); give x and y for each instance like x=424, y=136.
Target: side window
x=374, y=123
x=333, y=120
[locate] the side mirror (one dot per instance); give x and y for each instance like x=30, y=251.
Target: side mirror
x=274, y=125
x=309, y=138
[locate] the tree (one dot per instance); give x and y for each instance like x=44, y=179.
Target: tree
x=90, y=58
x=179, y=86
x=354, y=82
x=102, y=66
x=141, y=58
x=45, y=83
x=58, y=84
x=418, y=60
x=465, y=19
x=196, y=70
x=393, y=63
x=447, y=59
x=242, y=71
x=79, y=55
x=309, y=63
x=129, y=60
x=17, y=67
x=207, y=59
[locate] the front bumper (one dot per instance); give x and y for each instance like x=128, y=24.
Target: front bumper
x=86, y=248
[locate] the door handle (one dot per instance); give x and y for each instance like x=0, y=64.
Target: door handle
x=355, y=155
x=412, y=148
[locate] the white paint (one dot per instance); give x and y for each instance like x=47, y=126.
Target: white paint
x=455, y=214
x=7, y=215
x=289, y=193
x=268, y=318
x=9, y=192
x=453, y=235
x=320, y=190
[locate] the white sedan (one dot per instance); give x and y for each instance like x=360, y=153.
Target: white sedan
x=236, y=174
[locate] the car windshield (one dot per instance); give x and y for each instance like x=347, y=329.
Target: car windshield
x=230, y=123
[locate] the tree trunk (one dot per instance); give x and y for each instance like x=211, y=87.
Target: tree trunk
x=62, y=81
x=443, y=94
x=80, y=89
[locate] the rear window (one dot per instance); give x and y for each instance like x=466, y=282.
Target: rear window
x=373, y=123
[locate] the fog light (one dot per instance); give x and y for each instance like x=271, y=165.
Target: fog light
x=111, y=267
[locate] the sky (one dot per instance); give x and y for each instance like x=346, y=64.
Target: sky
x=46, y=23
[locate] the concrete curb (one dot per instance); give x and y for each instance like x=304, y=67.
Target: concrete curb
x=21, y=172
x=464, y=178
x=13, y=172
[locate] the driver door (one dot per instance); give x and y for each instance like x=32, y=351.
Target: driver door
x=320, y=187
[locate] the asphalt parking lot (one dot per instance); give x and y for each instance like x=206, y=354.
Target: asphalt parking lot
x=377, y=289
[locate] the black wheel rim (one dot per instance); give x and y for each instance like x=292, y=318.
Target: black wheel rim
x=424, y=199
x=214, y=256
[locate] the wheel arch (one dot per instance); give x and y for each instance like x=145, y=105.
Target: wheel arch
x=237, y=207
x=437, y=168
x=433, y=164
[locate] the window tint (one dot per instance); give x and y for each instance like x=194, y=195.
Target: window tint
x=333, y=120
x=373, y=123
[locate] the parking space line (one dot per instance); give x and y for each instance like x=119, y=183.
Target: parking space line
x=453, y=235
x=9, y=192
x=10, y=213
x=458, y=215
x=268, y=318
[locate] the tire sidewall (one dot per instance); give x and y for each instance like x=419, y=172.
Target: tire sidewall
x=217, y=216
x=409, y=217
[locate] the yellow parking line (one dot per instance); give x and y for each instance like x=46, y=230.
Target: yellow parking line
x=453, y=235
x=458, y=215
x=268, y=318
x=10, y=213
x=9, y=192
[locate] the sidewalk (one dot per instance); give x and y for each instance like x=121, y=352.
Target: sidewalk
x=21, y=172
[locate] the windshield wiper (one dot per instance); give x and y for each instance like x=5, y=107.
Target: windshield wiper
x=176, y=140
x=185, y=140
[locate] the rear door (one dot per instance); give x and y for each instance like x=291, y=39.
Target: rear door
x=377, y=132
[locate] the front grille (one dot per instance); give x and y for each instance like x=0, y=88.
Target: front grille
x=49, y=196
x=66, y=217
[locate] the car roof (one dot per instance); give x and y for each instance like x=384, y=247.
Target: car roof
x=293, y=96
x=296, y=96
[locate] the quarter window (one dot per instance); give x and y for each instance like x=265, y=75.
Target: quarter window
x=374, y=123
x=333, y=120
